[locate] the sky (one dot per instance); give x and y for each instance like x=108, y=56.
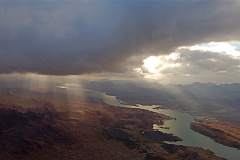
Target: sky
x=170, y=41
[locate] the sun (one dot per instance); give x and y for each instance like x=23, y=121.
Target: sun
x=151, y=64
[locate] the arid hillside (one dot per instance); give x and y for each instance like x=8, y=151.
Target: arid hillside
x=32, y=128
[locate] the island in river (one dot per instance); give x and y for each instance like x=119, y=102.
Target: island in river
x=48, y=126
x=222, y=132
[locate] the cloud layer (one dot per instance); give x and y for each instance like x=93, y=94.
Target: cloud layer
x=62, y=37
x=208, y=62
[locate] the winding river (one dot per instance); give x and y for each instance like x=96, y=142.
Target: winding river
x=180, y=126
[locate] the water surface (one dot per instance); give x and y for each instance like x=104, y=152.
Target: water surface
x=180, y=126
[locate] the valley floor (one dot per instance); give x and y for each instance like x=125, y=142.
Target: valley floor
x=48, y=129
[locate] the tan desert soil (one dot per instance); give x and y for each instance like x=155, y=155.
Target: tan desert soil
x=55, y=129
x=222, y=132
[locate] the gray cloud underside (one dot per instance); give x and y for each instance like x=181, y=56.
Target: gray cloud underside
x=62, y=37
x=200, y=66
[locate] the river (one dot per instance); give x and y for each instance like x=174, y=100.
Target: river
x=180, y=126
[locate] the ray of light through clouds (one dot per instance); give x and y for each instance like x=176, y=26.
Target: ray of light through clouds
x=109, y=38
x=153, y=66
x=207, y=62
x=70, y=87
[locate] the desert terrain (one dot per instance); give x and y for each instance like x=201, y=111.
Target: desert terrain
x=35, y=129
x=222, y=132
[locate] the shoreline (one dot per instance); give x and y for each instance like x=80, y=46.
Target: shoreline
x=97, y=131
x=221, y=132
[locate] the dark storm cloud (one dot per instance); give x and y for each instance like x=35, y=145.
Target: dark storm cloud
x=63, y=37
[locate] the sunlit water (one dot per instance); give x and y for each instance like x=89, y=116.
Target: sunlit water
x=180, y=126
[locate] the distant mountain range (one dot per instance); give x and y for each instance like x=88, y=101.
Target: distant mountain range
x=205, y=99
